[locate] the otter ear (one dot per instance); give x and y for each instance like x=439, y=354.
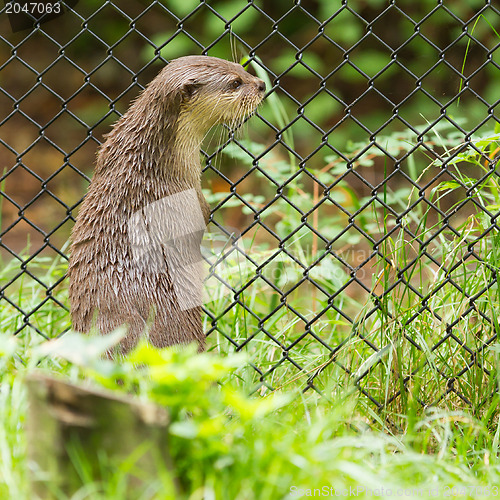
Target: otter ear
x=190, y=88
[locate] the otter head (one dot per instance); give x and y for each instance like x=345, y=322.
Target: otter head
x=211, y=91
x=170, y=118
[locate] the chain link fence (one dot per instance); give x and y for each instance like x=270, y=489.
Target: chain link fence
x=365, y=190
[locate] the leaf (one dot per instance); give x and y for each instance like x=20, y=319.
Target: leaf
x=236, y=151
x=443, y=186
x=179, y=46
x=8, y=345
x=371, y=62
x=81, y=349
x=248, y=408
x=494, y=348
x=372, y=360
x=186, y=429
x=483, y=142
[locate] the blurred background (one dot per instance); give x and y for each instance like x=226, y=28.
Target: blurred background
x=339, y=70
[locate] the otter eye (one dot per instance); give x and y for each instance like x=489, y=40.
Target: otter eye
x=236, y=83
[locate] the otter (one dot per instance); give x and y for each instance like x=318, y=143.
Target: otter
x=134, y=255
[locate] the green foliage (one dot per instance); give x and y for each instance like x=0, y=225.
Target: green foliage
x=38, y=293
x=425, y=267
x=225, y=444
x=229, y=445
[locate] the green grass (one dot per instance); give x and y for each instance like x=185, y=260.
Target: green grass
x=434, y=277
x=226, y=445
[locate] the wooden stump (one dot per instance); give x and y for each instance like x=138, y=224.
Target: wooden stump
x=77, y=434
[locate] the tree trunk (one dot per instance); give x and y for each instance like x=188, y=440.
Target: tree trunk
x=77, y=436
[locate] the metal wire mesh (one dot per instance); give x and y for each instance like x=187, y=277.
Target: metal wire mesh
x=378, y=156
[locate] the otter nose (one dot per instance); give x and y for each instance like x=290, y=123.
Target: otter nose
x=261, y=85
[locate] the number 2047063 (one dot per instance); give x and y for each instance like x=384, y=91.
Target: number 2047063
x=34, y=8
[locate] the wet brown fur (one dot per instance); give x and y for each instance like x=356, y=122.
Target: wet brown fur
x=152, y=152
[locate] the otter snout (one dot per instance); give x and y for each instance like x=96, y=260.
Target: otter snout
x=261, y=85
